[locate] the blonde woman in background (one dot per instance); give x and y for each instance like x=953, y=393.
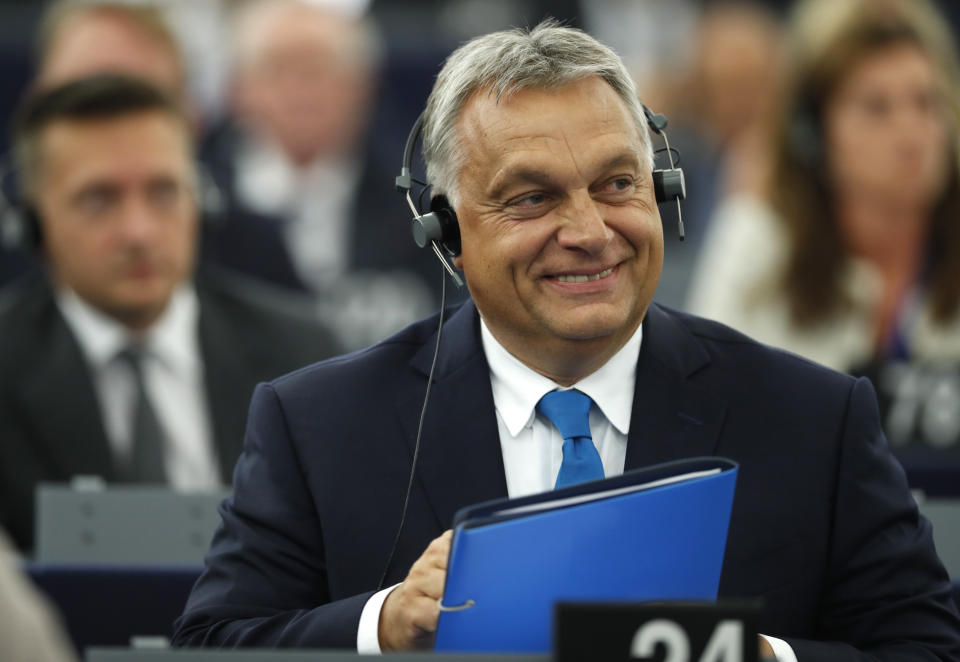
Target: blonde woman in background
x=853, y=257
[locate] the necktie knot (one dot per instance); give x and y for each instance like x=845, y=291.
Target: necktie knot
x=569, y=411
x=133, y=355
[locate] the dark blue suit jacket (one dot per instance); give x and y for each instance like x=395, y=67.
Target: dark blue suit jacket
x=823, y=526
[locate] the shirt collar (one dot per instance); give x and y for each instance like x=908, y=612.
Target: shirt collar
x=517, y=388
x=173, y=338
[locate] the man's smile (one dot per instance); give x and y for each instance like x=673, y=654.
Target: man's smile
x=583, y=278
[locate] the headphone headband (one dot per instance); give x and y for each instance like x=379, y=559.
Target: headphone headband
x=439, y=228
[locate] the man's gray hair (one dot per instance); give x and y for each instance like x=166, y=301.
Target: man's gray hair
x=548, y=57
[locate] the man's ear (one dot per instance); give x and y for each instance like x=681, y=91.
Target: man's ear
x=458, y=261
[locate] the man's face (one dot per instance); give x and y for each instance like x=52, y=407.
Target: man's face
x=303, y=88
x=562, y=241
x=887, y=130
x=117, y=210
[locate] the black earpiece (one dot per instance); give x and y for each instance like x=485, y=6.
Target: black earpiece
x=19, y=226
x=439, y=224
x=668, y=183
x=438, y=228
x=805, y=134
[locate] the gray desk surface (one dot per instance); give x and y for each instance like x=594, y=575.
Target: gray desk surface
x=180, y=655
x=125, y=524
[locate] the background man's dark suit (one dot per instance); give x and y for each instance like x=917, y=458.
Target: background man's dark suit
x=50, y=421
x=823, y=526
x=254, y=244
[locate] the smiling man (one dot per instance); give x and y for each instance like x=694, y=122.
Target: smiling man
x=119, y=360
x=540, y=145
x=556, y=209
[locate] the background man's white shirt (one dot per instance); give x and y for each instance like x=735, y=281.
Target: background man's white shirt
x=173, y=378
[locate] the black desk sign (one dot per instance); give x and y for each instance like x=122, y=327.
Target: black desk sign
x=656, y=632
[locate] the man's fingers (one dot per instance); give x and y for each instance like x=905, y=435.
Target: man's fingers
x=432, y=585
x=424, y=613
x=426, y=579
x=439, y=550
x=410, y=613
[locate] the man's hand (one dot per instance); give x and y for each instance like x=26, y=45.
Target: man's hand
x=408, y=619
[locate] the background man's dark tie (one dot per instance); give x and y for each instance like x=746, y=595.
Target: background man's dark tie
x=146, y=464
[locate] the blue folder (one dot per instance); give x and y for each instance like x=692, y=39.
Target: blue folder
x=629, y=538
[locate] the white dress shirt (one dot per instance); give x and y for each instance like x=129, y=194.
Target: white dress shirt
x=532, y=446
x=173, y=380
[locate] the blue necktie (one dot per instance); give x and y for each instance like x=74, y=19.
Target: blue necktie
x=569, y=411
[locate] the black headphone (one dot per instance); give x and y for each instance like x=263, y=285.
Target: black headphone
x=805, y=132
x=439, y=228
x=19, y=225
x=20, y=228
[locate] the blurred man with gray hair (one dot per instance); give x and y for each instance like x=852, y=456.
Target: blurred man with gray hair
x=293, y=162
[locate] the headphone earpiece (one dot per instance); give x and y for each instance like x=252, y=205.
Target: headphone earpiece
x=19, y=224
x=19, y=229
x=805, y=136
x=438, y=228
x=668, y=183
x=32, y=230
x=439, y=225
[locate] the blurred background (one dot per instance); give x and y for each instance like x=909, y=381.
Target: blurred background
x=301, y=110
x=819, y=139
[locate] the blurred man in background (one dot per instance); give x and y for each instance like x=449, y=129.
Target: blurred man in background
x=719, y=93
x=295, y=169
x=117, y=360
x=77, y=39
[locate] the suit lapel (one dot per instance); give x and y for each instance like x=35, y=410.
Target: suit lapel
x=672, y=418
x=460, y=461
x=59, y=399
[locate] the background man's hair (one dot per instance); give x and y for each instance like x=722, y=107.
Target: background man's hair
x=147, y=20
x=547, y=57
x=363, y=50
x=98, y=97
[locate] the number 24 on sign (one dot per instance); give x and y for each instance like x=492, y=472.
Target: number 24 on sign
x=724, y=645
